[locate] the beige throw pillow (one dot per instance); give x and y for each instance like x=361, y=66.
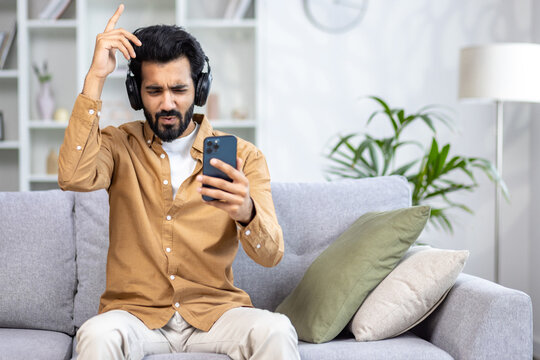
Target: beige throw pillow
x=408, y=294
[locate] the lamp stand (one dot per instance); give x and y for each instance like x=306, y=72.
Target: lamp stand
x=499, y=162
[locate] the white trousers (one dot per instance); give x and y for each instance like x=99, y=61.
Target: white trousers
x=240, y=333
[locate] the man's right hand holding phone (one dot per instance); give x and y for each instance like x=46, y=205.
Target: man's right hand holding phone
x=104, y=60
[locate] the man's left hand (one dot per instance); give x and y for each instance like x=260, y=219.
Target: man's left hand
x=231, y=197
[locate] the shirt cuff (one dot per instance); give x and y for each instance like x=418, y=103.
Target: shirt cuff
x=251, y=233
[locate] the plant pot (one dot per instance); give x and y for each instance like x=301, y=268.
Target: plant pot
x=45, y=101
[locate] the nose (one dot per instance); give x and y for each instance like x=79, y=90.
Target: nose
x=168, y=101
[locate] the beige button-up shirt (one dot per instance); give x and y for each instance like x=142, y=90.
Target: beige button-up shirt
x=165, y=254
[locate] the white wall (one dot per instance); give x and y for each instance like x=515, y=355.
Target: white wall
x=407, y=53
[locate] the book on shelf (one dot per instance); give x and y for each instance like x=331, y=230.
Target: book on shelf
x=6, y=42
x=54, y=9
x=236, y=9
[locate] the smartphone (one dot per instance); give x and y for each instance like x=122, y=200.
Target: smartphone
x=222, y=148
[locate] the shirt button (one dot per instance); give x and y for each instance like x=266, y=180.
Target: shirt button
x=91, y=111
x=99, y=113
x=169, y=217
x=247, y=232
x=79, y=147
x=172, y=278
x=168, y=249
x=148, y=141
x=165, y=182
x=177, y=304
x=258, y=246
x=162, y=156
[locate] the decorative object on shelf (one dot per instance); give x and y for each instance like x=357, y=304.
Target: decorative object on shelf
x=45, y=96
x=236, y=9
x=239, y=114
x=432, y=181
x=6, y=41
x=212, y=106
x=2, y=135
x=335, y=16
x=61, y=115
x=54, y=9
x=52, y=162
x=500, y=72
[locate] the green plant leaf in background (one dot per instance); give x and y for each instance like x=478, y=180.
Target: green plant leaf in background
x=432, y=175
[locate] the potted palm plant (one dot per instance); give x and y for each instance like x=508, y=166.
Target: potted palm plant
x=432, y=175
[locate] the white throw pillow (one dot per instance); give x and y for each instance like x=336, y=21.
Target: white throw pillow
x=415, y=288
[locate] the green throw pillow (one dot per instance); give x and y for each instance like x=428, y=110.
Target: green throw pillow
x=339, y=280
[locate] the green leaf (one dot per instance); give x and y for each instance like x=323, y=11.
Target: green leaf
x=373, y=155
x=428, y=122
x=403, y=169
x=343, y=139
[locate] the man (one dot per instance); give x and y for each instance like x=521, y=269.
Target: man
x=169, y=279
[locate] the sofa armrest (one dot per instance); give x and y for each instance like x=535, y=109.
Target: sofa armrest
x=481, y=320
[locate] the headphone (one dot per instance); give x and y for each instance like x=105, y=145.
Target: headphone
x=202, y=88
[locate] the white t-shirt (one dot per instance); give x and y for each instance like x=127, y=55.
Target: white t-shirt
x=180, y=160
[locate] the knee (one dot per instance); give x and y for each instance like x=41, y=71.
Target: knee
x=276, y=329
x=98, y=334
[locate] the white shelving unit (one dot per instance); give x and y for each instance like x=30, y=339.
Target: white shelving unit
x=67, y=45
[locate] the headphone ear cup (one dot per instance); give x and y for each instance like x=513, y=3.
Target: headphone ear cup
x=203, y=88
x=133, y=92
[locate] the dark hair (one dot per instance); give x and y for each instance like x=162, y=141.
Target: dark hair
x=164, y=43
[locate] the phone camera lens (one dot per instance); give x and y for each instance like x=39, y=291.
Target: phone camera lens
x=216, y=146
x=208, y=150
x=209, y=143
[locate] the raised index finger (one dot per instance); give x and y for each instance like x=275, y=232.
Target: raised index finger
x=112, y=21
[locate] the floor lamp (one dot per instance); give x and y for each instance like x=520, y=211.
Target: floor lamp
x=500, y=73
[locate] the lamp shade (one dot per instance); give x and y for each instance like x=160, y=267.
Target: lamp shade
x=505, y=72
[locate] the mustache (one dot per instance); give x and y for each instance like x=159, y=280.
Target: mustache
x=168, y=113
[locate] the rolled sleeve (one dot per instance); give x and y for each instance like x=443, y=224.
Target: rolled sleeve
x=262, y=237
x=85, y=162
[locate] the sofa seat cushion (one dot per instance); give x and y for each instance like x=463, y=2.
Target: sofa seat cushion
x=37, y=260
x=406, y=346
x=187, y=356
x=24, y=344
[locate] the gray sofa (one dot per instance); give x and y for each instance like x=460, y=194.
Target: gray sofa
x=53, y=248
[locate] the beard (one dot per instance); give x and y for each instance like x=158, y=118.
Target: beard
x=169, y=133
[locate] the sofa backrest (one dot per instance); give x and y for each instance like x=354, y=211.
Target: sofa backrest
x=312, y=215
x=37, y=260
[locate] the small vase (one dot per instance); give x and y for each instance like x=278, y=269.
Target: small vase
x=45, y=101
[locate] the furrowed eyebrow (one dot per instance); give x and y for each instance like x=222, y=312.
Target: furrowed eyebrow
x=174, y=87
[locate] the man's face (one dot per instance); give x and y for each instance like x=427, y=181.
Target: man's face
x=168, y=93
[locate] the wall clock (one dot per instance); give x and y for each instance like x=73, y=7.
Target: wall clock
x=335, y=16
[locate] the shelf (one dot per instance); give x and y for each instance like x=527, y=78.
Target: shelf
x=237, y=124
x=44, y=178
x=9, y=74
x=221, y=23
x=46, y=124
x=9, y=145
x=52, y=24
